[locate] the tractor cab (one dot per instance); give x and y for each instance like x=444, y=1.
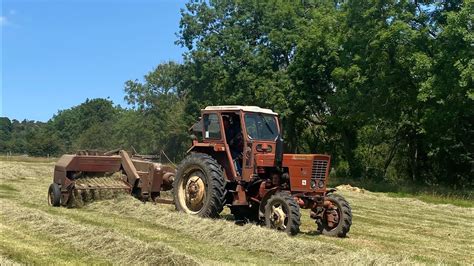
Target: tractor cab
x=237, y=136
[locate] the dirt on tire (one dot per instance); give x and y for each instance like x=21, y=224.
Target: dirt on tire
x=291, y=209
x=213, y=176
x=345, y=218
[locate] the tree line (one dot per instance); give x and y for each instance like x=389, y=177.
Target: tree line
x=384, y=86
x=96, y=124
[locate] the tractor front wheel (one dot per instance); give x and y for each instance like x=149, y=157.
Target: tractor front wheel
x=54, y=195
x=283, y=213
x=337, y=219
x=199, y=186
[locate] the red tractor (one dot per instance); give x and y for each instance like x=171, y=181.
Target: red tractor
x=237, y=160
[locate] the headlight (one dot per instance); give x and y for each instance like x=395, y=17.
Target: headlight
x=321, y=184
x=317, y=183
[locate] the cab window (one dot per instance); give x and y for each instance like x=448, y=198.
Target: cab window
x=212, y=129
x=261, y=126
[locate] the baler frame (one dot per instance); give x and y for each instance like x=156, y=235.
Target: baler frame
x=141, y=177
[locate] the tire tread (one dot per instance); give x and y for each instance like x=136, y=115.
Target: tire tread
x=215, y=174
x=346, y=220
x=294, y=208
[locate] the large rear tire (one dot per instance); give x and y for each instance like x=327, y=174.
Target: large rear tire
x=54, y=195
x=282, y=212
x=343, y=214
x=199, y=186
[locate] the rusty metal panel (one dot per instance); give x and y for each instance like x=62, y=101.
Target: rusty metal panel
x=129, y=168
x=87, y=163
x=64, y=162
x=96, y=164
x=59, y=175
x=157, y=178
x=265, y=159
x=302, y=170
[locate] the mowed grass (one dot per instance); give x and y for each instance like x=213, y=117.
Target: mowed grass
x=385, y=230
x=434, y=194
x=29, y=159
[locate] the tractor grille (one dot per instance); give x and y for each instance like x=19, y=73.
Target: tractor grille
x=319, y=169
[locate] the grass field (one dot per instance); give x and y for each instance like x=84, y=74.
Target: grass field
x=429, y=194
x=122, y=231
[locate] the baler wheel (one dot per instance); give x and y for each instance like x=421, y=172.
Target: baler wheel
x=199, y=186
x=282, y=212
x=341, y=214
x=54, y=195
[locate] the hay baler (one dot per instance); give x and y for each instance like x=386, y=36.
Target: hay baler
x=95, y=172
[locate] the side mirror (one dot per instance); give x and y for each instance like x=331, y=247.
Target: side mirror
x=279, y=151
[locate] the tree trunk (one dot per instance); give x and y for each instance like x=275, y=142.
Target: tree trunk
x=390, y=157
x=413, y=155
x=349, y=137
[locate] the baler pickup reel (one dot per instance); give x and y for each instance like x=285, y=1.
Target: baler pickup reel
x=92, y=175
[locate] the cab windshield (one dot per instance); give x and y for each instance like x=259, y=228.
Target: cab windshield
x=261, y=126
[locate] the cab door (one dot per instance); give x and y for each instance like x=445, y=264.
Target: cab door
x=248, y=156
x=261, y=134
x=214, y=136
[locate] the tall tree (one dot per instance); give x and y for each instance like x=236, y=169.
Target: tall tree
x=159, y=111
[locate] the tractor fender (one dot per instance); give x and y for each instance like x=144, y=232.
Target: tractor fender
x=222, y=156
x=198, y=147
x=263, y=202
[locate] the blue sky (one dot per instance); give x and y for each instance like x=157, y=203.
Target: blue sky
x=56, y=54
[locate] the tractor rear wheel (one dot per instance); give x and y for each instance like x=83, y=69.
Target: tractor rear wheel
x=337, y=220
x=54, y=195
x=282, y=212
x=199, y=186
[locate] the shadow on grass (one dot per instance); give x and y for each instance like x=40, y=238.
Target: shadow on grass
x=310, y=233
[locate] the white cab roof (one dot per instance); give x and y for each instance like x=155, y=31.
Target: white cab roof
x=255, y=109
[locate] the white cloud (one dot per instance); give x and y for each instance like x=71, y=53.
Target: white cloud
x=3, y=21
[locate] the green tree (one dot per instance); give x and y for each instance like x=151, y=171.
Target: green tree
x=5, y=132
x=158, y=112
x=384, y=86
x=367, y=81
x=89, y=125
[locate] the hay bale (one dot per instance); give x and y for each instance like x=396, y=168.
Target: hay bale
x=348, y=187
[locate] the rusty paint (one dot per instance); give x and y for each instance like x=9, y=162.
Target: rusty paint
x=150, y=177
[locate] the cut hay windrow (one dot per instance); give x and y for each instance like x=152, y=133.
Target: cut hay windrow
x=105, y=243
x=386, y=230
x=7, y=262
